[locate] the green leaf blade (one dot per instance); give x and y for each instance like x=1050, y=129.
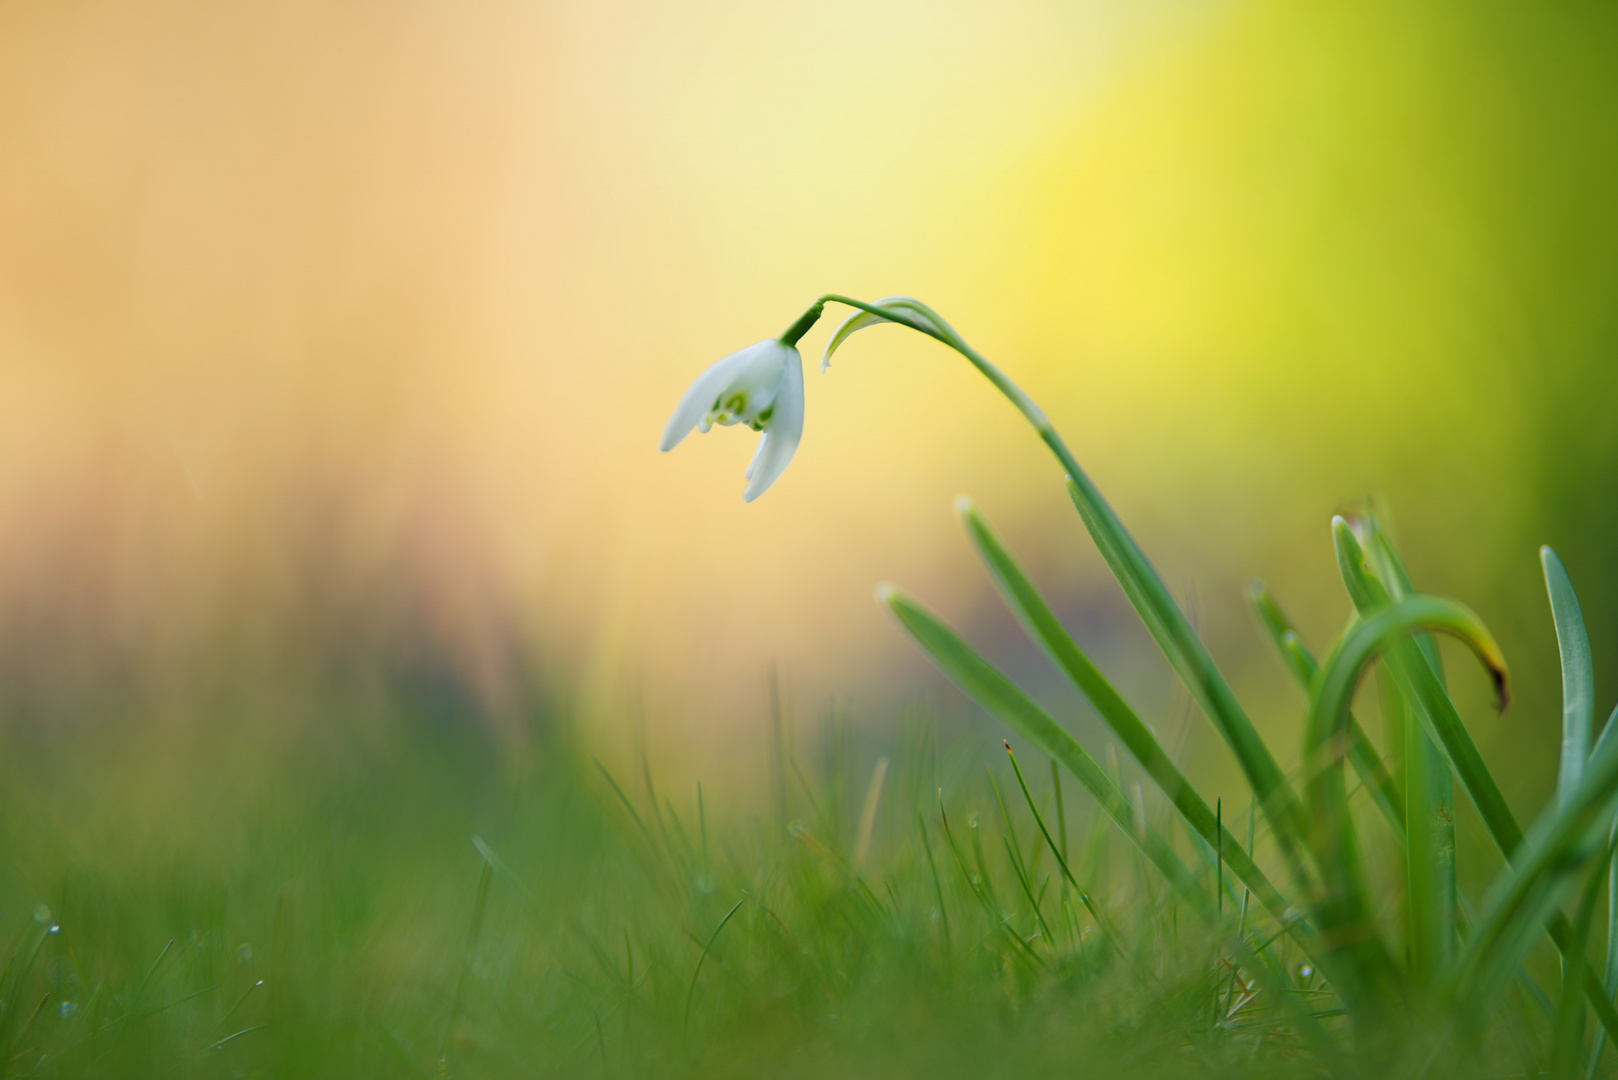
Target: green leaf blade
x=1186, y=653
x=1373, y=770
x=1578, y=674
x=1048, y=632
x=1007, y=702
x=1432, y=895
x=1345, y=915
x=1416, y=678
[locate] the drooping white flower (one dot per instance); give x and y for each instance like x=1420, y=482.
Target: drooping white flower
x=760, y=386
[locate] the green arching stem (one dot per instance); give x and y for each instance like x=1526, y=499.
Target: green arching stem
x=1140, y=582
x=1116, y=713
x=948, y=336
x=795, y=332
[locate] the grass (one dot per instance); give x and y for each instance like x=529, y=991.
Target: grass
x=395, y=893
x=1437, y=971
x=412, y=897
x=320, y=907
x=346, y=922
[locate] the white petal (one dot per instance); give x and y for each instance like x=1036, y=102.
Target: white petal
x=757, y=453
x=784, y=434
x=764, y=368
x=914, y=314
x=699, y=396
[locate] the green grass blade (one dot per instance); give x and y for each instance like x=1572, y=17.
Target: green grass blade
x=1373, y=770
x=1043, y=626
x=1345, y=922
x=706, y=949
x=938, y=884
x=1412, y=665
x=1189, y=657
x=17, y=975
x=1018, y=866
x=1578, y=674
x=1027, y=888
x=478, y=907
x=1417, y=679
x=1060, y=852
x=1141, y=583
x=502, y=869
x=1390, y=569
x=1429, y=852
x=1527, y=891
x=1569, y=1040
x=1432, y=894
x=975, y=883
x=1609, y=984
x=1005, y=700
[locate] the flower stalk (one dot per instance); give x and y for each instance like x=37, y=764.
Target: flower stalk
x=1140, y=581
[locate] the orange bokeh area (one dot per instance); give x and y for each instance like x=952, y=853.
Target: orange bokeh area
x=336, y=339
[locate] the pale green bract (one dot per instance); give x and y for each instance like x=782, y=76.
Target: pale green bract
x=906, y=310
x=760, y=386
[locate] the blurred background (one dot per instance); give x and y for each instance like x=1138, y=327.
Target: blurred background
x=336, y=338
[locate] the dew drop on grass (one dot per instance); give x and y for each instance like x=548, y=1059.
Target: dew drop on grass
x=244, y=954
x=68, y=1009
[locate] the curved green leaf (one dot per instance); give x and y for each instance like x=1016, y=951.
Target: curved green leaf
x=905, y=310
x=1431, y=894
x=1189, y=657
x=985, y=684
x=1417, y=679
x=1578, y=674
x=1569, y=1042
x=1129, y=565
x=1373, y=770
x=1528, y=892
x=1048, y=632
x=1345, y=921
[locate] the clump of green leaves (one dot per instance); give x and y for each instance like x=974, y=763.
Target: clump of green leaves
x=1440, y=966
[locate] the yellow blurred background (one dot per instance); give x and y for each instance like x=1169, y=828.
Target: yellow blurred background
x=336, y=338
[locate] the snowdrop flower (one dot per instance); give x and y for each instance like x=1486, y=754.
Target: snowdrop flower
x=760, y=386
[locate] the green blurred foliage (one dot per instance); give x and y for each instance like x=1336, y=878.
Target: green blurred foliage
x=233, y=907
x=1387, y=234
x=1313, y=253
